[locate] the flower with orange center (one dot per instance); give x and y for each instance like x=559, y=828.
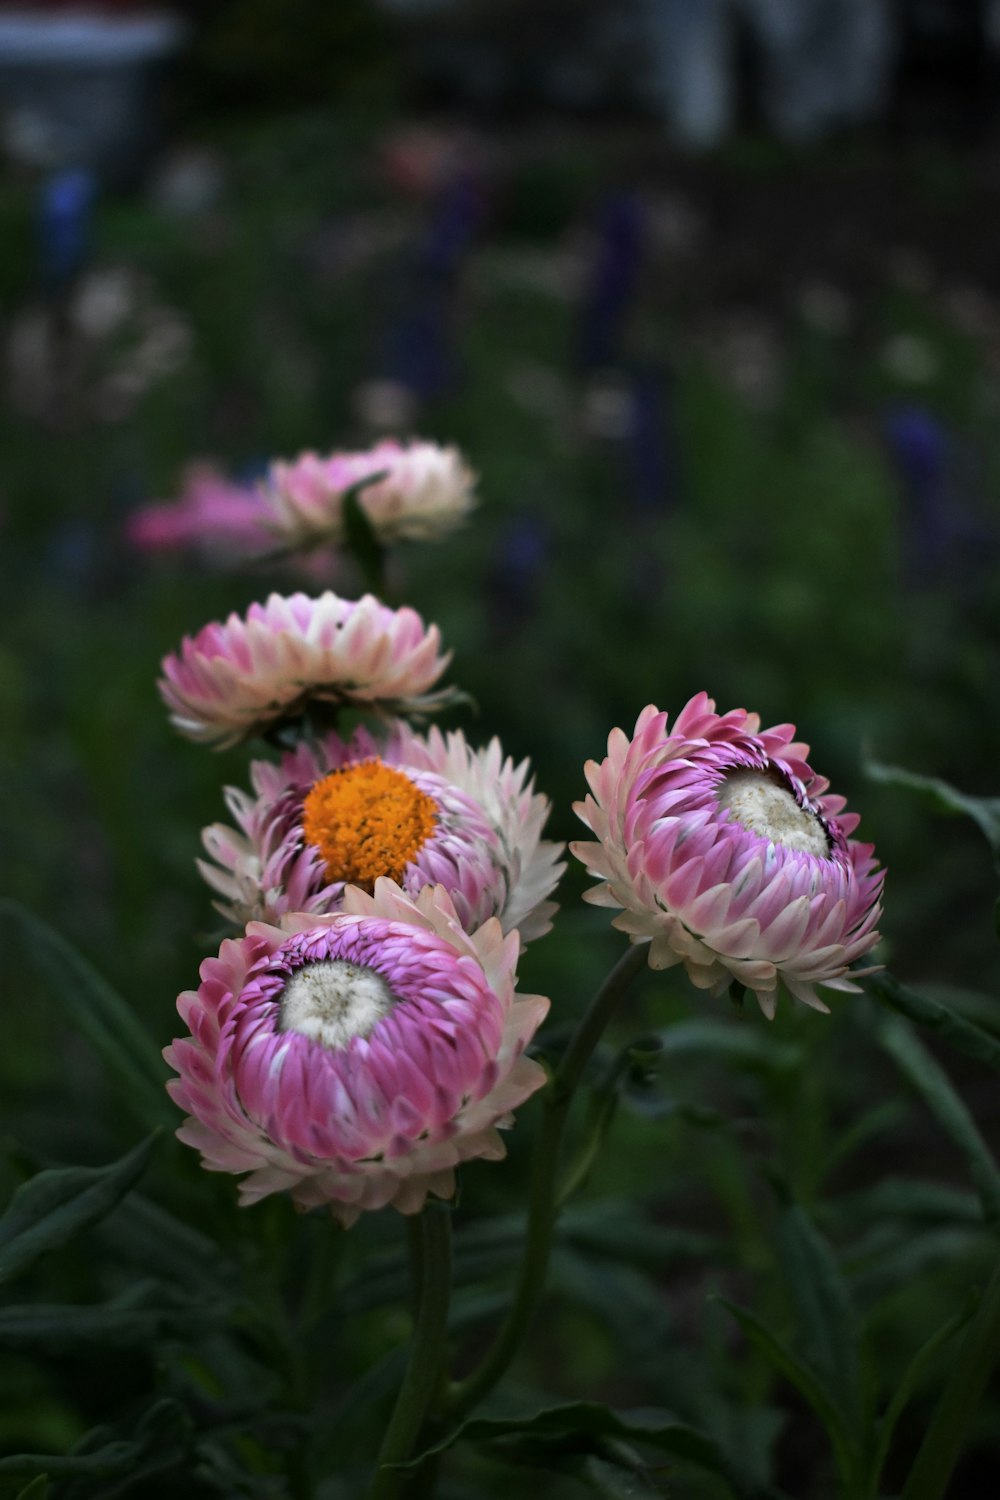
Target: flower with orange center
x=419, y=809
x=367, y=820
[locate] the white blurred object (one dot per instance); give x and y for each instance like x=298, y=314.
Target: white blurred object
x=188, y=182
x=691, y=61
x=909, y=359
x=823, y=63
x=825, y=308
x=75, y=86
x=991, y=24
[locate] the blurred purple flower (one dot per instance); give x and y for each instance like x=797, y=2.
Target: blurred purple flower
x=944, y=535
x=651, y=450
x=620, y=234
x=519, y=561
x=457, y=217
x=419, y=351
x=63, y=219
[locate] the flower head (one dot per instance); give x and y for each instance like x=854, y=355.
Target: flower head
x=212, y=516
x=420, y=809
x=354, y=1060
x=416, y=492
x=235, y=679
x=727, y=854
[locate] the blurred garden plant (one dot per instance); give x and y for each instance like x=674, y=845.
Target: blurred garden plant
x=361, y=1037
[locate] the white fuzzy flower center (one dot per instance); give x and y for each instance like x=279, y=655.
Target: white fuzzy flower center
x=333, y=1001
x=764, y=806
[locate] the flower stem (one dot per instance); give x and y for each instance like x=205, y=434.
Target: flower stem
x=431, y=1251
x=543, y=1205
x=974, y=1363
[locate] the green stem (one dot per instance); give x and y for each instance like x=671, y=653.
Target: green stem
x=431, y=1250
x=944, y=1438
x=543, y=1205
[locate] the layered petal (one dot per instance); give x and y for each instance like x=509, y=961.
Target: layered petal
x=482, y=840
x=354, y=1060
x=245, y=675
x=412, y=491
x=726, y=852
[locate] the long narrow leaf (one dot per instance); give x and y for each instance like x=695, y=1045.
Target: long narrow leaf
x=826, y=1316
x=809, y=1386
x=742, y=1047
x=160, y=1437
x=929, y=1079
x=96, y=1009
x=36, y=1489
x=965, y=1036
x=972, y=1364
x=912, y=1376
x=55, y=1205
x=590, y=1421
x=57, y=1328
x=984, y=811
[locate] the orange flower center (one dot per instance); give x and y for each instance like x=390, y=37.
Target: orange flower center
x=367, y=820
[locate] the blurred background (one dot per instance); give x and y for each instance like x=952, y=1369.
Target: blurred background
x=708, y=291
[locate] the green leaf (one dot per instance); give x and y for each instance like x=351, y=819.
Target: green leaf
x=808, y=1384
x=107, y=1020
x=160, y=1435
x=866, y=1127
x=56, y=1205
x=826, y=1317
x=929, y=1079
x=36, y=1489
x=912, y=1376
x=889, y=1269
x=911, y=1199
x=113, y=1458
x=984, y=811
x=618, y=1229
x=965, y=1036
x=360, y=534
x=145, y=1234
x=734, y=1045
x=612, y=1480
x=56, y=1328
x=582, y=1426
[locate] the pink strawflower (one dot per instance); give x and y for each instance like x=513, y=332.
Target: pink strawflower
x=212, y=515
x=354, y=1060
x=236, y=679
x=727, y=854
x=424, y=491
x=422, y=809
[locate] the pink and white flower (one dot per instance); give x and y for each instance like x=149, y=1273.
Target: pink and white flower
x=212, y=516
x=422, y=809
x=418, y=491
x=355, y=1060
x=727, y=853
x=235, y=679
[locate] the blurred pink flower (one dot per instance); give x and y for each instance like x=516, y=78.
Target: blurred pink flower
x=424, y=491
x=727, y=854
x=355, y=1060
x=422, y=809
x=241, y=677
x=212, y=515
